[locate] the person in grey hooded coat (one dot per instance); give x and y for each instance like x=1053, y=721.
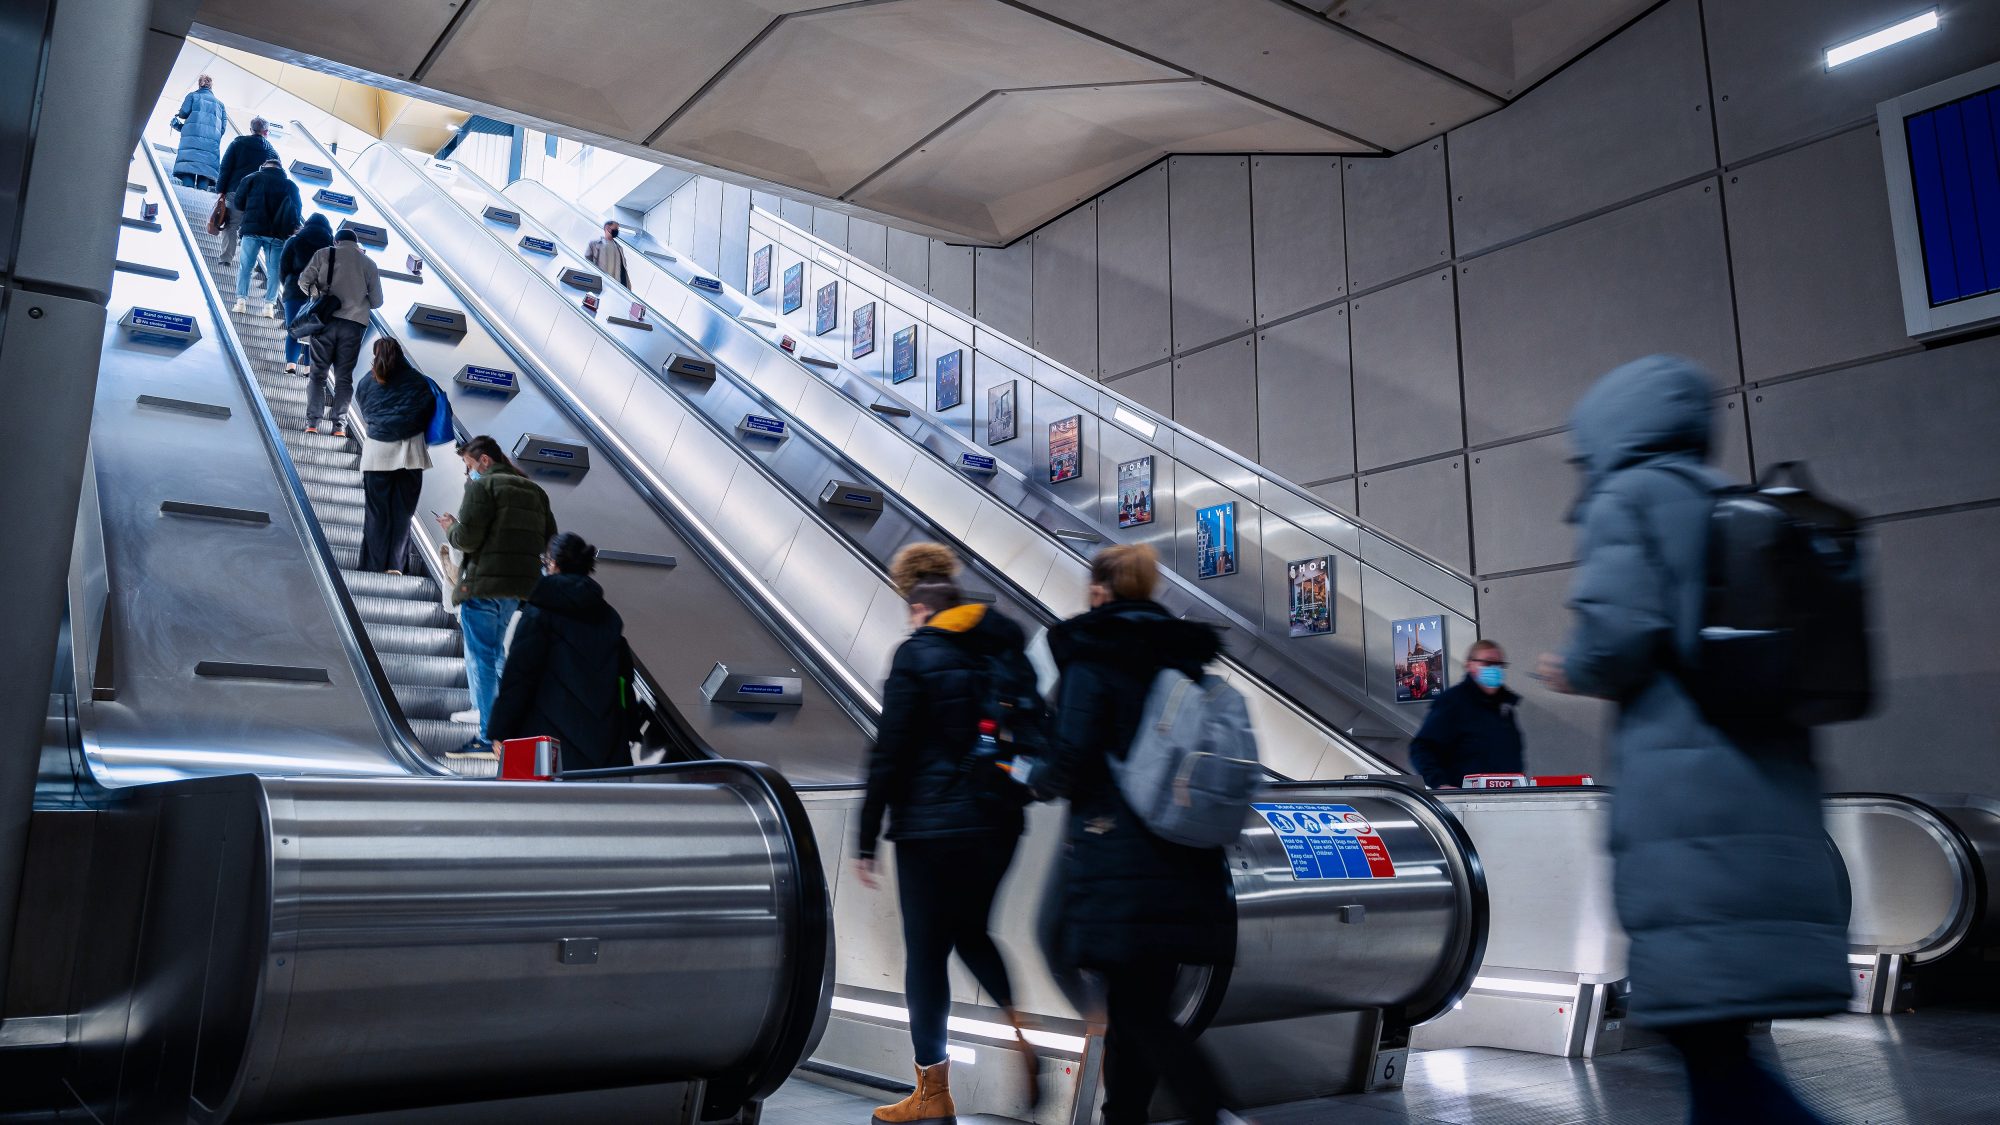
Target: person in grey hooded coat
x=1734, y=899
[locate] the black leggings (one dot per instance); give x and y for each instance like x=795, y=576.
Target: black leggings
x=946, y=889
x=1727, y=1083
x=1143, y=1046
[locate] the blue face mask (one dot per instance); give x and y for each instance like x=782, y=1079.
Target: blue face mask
x=1490, y=676
x=472, y=474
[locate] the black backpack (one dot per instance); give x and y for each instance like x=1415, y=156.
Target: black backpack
x=1784, y=622
x=1020, y=722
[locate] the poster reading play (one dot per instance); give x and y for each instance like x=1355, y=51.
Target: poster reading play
x=864, y=331
x=760, y=269
x=903, y=355
x=1066, y=449
x=1215, y=541
x=1312, y=595
x=1001, y=422
x=950, y=379
x=1135, y=492
x=795, y=287
x=1419, y=657
x=826, y=308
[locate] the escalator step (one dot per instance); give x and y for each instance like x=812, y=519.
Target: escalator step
x=432, y=703
x=340, y=515
x=322, y=492
x=405, y=670
x=416, y=640
x=409, y=587
x=401, y=611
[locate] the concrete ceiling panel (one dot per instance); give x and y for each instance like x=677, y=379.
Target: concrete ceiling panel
x=389, y=38
x=1501, y=46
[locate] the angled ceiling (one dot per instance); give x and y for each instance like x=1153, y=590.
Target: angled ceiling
x=971, y=120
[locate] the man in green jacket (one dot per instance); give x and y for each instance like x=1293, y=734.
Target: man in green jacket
x=503, y=525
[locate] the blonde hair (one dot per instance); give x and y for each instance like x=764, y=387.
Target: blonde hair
x=922, y=562
x=1130, y=571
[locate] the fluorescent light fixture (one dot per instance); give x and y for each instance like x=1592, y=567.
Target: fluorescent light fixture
x=1532, y=987
x=1887, y=37
x=964, y=1056
x=1071, y=1043
x=828, y=259
x=1134, y=422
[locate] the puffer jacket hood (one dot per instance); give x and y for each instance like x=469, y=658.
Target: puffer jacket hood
x=1137, y=635
x=573, y=595
x=979, y=631
x=1651, y=407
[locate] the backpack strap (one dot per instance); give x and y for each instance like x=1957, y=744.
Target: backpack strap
x=1687, y=622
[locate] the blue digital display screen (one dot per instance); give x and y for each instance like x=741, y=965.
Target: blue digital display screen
x=1955, y=173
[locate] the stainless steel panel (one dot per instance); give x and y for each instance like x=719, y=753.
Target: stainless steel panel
x=1241, y=592
x=1398, y=215
x=1004, y=289
x=910, y=258
x=868, y=241
x=1384, y=600
x=734, y=268
x=1297, y=233
x=830, y=226
x=1342, y=652
x=1134, y=311
x=1406, y=384
x=1065, y=290
x=1215, y=394
x=1151, y=387
x=951, y=278
x=795, y=212
x=1915, y=890
x=1209, y=244
x=1423, y=505
x=708, y=224
x=1341, y=494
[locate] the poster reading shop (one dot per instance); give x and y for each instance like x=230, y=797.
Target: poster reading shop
x=1066, y=449
x=1311, y=596
x=1215, y=540
x=1419, y=658
x=1135, y=492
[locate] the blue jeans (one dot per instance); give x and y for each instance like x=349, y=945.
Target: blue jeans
x=296, y=351
x=483, y=623
x=255, y=245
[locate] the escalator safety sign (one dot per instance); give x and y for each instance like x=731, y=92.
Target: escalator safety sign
x=708, y=283
x=538, y=245
x=1328, y=841
x=327, y=197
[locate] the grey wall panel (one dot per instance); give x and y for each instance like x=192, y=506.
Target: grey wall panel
x=1424, y=506
x=910, y=258
x=1305, y=420
x=868, y=242
x=1004, y=288
x=951, y=275
x=1542, y=319
x=830, y=227
x=1398, y=215
x=1937, y=664
x=1341, y=652
x=1065, y=290
x=1297, y=233
x=1388, y=601
x=1242, y=591
x=1119, y=445
x=1406, y=400
x=1152, y=387
x=1563, y=733
x=1814, y=258
x=1134, y=313
x=1209, y=245
x=1341, y=494
x=735, y=269
x=1521, y=496
x=797, y=213
x=1215, y=394
x=1911, y=432
x=707, y=248
x=1771, y=81
x=768, y=202
x=1625, y=119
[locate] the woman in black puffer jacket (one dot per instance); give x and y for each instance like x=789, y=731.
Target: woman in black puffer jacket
x=569, y=671
x=396, y=404
x=312, y=238
x=1135, y=908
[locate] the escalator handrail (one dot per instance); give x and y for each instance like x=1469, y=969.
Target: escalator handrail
x=1964, y=859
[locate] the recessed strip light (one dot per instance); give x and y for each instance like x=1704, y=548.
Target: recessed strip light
x=1049, y=1039
x=1134, y=422
x=1533, y=987
x=1887, y=37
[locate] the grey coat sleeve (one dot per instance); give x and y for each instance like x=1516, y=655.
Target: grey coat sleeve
x=1623, y=627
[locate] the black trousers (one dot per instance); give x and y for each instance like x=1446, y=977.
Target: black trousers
x=334, y=352
x=1144, y=1046
x=946, y=890
x=1728, y=1084
x=390, y=499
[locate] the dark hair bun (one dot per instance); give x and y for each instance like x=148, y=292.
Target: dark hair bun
x=572, y=554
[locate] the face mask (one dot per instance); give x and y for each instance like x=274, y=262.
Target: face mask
x=1490, y=676
x=472, y=474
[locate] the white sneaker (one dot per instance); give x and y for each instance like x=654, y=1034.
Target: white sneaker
x=242, y=305
x=271, y=310
x=470, y=716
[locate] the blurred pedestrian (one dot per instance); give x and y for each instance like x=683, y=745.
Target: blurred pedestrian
x=607, y=255
x=1472, y=727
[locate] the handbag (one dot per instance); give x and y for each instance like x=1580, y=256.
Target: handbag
x=218, y=216
x=442, y=428
x=312, y=317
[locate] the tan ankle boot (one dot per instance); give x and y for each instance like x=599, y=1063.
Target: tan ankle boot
x=1031, y=1063
x=929, y=1104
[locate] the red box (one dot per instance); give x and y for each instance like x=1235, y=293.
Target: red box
x=529, y=759
x=1496, y=781
x=590, y=303
x=1564, y=779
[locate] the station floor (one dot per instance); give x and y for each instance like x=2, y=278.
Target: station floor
x=1934, y=1067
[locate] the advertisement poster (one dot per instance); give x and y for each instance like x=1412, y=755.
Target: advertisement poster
x=1066, y=449
x=1215, y=541
x=864, y=331
x=826, y=308
x=1135, y=492
x=1419, y=658
x=795, y=287
x=951, y=379
x=1001, y=423
x=1312, y=595
x=760, y=269
x=903, y=355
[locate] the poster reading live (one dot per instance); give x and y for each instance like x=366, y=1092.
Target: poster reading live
x=760, y=269
x=1215, y=541
x=1066, y=449
x=864, y=331
x=1135, y=492
x=1002, y=424
x=903, y=355
x=826, y=308
x=1419, y=658
x=950, y=379
x=1312, y=595
x=795, y=287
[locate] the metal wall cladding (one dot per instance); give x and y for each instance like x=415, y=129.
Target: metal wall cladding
x=951, y=278
x=680, y=218
x=1422, y=505
x=1340, y=652
x=1215, y=394
x=1065, y=290
x=1387, y=601
x=1134, y=314
x=1297, y=233
x=796, y=212
x=1625, y=119
x=767, y=201
x=707, y=247
x=1406, y=389
x=1521, y=496
x=868, y=242
x=1209, y=241
x=1305, y=423
x=1398, y=215
x=830, y=227
x=1152, y=387
x=734, y=268
x=1342, y=494
x=1541, y=320
x=1526, y=615
x=1004, y=288
x=1814, y=258
x=909, y=258
x=1243, y=591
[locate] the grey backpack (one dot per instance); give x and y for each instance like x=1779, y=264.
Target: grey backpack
x=1192, y=769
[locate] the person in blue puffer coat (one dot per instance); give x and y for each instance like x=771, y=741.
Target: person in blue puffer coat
x=1734, y=898
x=198, y=160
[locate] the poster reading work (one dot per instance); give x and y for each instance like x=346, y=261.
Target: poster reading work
x=1329, y=841
x=903, y=355
x=1135, y=492
x=1419, y=658
x=1066, y=449
x=1312, y=595
x=795, y=287
x=1215, y=541
x=760, y=269
x=950, y=379
x=1002, y=424
x=826, y=308
x=864, y=331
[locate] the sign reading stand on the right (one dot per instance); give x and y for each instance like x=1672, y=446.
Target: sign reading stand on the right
x=1942, y=163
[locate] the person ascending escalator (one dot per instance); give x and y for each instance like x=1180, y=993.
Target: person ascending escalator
x=569, y=672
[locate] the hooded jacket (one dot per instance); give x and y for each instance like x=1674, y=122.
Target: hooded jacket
x=1721, y=859
x=245, y=155
x=504, y=524
x=200, y=121
x=1126, y=894
x=269, y=202
x=298, y=253
x=398, y=409
x=931, y=707
x=567, y=674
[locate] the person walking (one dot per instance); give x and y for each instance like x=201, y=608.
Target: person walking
x=269, y=204
x=1134, y=908
x=344, y=270
x=245, y=155
x=955, y=831
x=396, y=406
x=1718, y=849
x=200, y=121
x=502, y=525
x=569, y=671
x=1471, y=728
x=314, y=236
x=607, y=255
